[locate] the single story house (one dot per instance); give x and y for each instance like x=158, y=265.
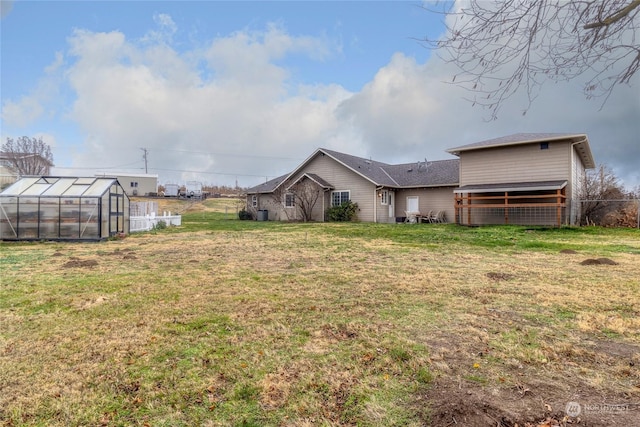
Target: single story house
x=531, y=179
x=136, y=184
x=10, y=170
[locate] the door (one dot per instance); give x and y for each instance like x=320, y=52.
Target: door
x=392, y=206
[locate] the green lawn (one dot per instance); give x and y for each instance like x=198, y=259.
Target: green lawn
x=228, y=322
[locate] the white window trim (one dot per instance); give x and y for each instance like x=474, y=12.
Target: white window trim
x=384, y=197
x=340, y=191
x=287, y=197
x=254, y=200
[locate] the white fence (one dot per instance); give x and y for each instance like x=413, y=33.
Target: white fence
x=143, y=208
x=149, y=222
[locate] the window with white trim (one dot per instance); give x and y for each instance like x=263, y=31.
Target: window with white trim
x=339, y=197
x=384, y=197
x=289, y=200
x=254, y=200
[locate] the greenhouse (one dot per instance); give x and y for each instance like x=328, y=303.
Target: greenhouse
x=63, y=208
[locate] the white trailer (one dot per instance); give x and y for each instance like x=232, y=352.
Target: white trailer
x=193, y=189
x=171, y=190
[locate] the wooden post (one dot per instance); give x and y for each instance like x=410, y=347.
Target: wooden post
x=559, y=207
x=506, y=209
x=468, y=204
x=456, y=204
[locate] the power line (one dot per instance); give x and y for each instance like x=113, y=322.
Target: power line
x=209, y=173
x=228, y=154
x=98, y=167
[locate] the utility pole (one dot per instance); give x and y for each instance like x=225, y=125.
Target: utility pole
x=144, y=156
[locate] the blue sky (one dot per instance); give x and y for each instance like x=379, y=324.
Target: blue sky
x=244, y=91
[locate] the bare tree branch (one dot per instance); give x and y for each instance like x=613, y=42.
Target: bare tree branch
x=510, y=46
x=28, y=156
x=615, y=17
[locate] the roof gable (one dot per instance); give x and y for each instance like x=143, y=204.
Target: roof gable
x=314, y=178
x=419, y=174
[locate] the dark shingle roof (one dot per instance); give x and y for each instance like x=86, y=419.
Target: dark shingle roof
x=516, y=139
x=420, y=174
x=426, y=174
x=317, y=179
x=373, y=170
x=268, y=186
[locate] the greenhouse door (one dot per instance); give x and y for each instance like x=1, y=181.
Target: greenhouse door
x=116, y=214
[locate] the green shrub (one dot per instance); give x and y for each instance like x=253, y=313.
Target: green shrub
x=245, y=215
x=160, y=225
x=346, y=212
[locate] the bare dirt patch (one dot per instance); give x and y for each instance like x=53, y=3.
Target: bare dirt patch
x=499, y=276
x=533, y=405
x=598, y=261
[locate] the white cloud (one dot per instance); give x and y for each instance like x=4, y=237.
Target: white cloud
x=131, y=96
x=165, y=32
x=232, y=107
x=22, y=112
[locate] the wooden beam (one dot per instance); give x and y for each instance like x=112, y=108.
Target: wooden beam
x=506, y=209
x=516, y=205
x=531, y=196
x=456, y=206
x=559, y=208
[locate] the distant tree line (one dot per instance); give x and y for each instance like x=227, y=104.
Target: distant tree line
x=27, y=156
x=606, y=202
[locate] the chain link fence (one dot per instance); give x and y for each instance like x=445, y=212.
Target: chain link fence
x=610, y=213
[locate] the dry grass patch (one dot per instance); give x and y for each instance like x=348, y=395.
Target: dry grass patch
x=313, y=324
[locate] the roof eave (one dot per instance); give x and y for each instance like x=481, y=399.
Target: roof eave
x=408, y=187
x=457, y=150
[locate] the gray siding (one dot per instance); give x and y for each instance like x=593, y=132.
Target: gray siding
x=363, y=191
x=515, y=164
x=429, y=199
x=266, y=202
